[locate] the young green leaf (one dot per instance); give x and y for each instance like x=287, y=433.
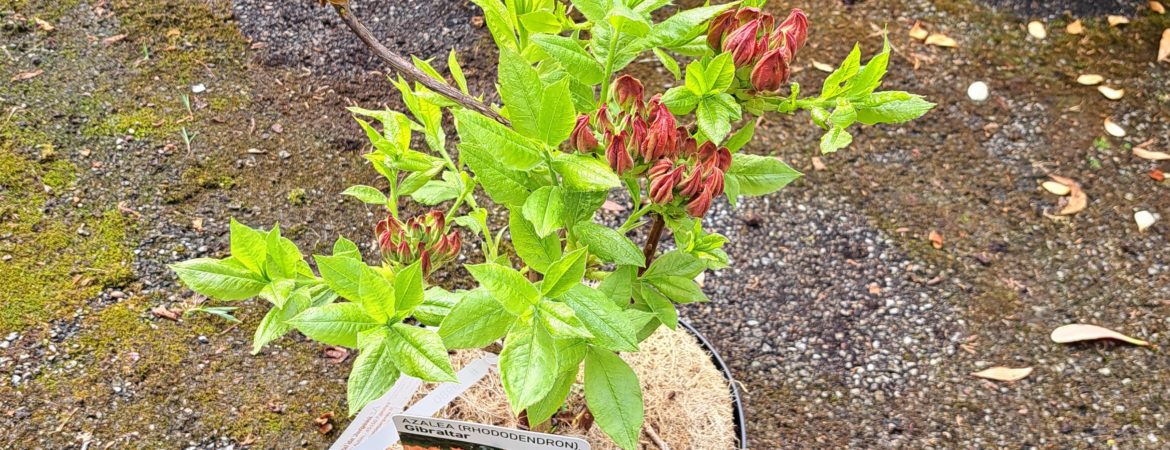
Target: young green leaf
x=345, y=247
x=593, y=10
x=219, y=279
x=569, y=53
x=565, y=273
x=870, y=76
x=678, y=289
x=497, y=17
x=520, y=89
x=668, y=62
x=334, y=324
x=617, y=286
x=373, y=372
x=603, y=318
x=608, y=244
x=435, y=192
x=544, y=409
x=675, y=263
x=585, y=173
x=759, y=175
x=892, y=107
x=275, y=323
x=278, y=291
x=419, y=353
x=719, y=73
x=282, y=258
x=534, y=250
x=556, y=117
x=844, y=73
x=528, y=364
x=614, y=397
x=714, y=115
x=408, y=288
x=545, y=208
x=560, y=320
x=457, y=72
x=741, y=137
x=359, y=283
x=835, y=139
x=248, y=246
x=475, y=322
x=512, y=150
x=437, y=304
x=507, y=285
x=683, y=26
x=366, y=194
x=505, y=186
x=680, y=100
x=661, y=306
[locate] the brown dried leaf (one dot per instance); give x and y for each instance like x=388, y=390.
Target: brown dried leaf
x=1090, y=79
x=823, y=67
x=334, y=354
x=1113, y=128
x=1000, y=373
x=936, y=239
x=27, y=75
x=1157, y=7
x=1110, y=93
x=612, y=206
x=1075, y=27
x=917, y=32
x=114, y=39
x=1164, y=46
x=1157, y=175
x=1117, y=20
x=197, y=224
x=1037, y=30
x=941, y=40
x=1150, y=154
x=1084, y=332
x=166, y=313
x=818, y=165
x=324, y=422
x=1056, y=188
x=43, y=25
x=1076, y=201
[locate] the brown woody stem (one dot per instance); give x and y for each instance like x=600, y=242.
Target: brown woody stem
x=651, y=248
x=408, y=70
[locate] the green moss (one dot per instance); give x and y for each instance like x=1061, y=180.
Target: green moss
x=297, y=197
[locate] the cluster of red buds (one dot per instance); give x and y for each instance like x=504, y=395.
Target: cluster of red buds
x=748, y=35
x=696, y=178
x=421, y=238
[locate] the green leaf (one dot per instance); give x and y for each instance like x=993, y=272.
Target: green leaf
x=419, y=353
x=741, y=137
x=626, y=47
x=680, y=100
x=625, y=20
x=608, y=244
x=585, y=173
x=528, y=364
x=541, y=22
x=437, y=304
x=334, y=324
x=248, y=246
x=668, y=62
x=457, y=72
x=283, y=259
x=278, y=291
x=569, y=53
x=435, y=192
x=537, y=252
x=614, y=397
x=719, y=73
x=675, y=263
x=843, y=115
x=560, y=320
x=521, y=90
x=544, y=409
x=565, y=273
x=715, y=114
x=844, y=73
x=496, y=16
x=345, y=247
x=684, y=26
x=505, y=186
x=557, y=116
x=835, y=139
x=275, y=323
x=358, y=283
x=593, y=10
x=507, y=285
x=892, y=107
x=219, y=279
x=619, y=284
x=408, y=288
x=373, y=372
x=366, y=194
x=545, y=208
x=661, y=306
x=759, y=175
x=678, y=289
x=870, y=76
x=507, y=147
x=475, y=322
x=603, y=318
x=581, y=205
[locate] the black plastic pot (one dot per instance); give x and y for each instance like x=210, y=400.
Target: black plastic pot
x=736, y=402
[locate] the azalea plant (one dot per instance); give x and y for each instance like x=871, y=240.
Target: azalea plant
x=573, y=130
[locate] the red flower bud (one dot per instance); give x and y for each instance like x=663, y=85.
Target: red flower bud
x=699, y=205
x=723, y=159
x=693, y=183
x=603, y=122
x=714, y=183
x=628, y=91
x=660, y=168
x=742, y=43
x=638, y=136
x=707, y=151
x=662, y=137
x=719, y=27
x=797, y=25
x=615, y=153
x=771, y=71
x=582, y=137
x=661, y=189
x=748, y=14
x=688, y=147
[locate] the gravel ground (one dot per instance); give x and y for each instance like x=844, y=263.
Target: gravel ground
x=845, y=326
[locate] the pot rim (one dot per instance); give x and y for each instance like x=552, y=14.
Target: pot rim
x=738, y=417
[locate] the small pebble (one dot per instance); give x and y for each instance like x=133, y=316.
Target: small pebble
x=977, y=91
x=199, y=88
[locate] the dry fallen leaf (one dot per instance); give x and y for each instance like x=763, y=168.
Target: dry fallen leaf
x=701, y=279
x=1117, y=20
x=27, y=75
x=197, y=224
x=823, y=67
x=917, y=32
x=936, y=239
x=335, y=355
x=166, y=313
x=43, y=25
x=1075, y=27
x=1090, y=79
x=818, y=165
x=1084, y=332
x=1164, y=46
x=1037, y=30
x=612, y=206
x=1076, y=201
x=1150, y=154
x=114, y=39
x=1000, y=373
x=1056, y=188
x=1143, y=219
x=1113, y=128
x=324, y=422
x=1157, y=175
x=1110, y=93
x=941, y=40
x=1157, y=7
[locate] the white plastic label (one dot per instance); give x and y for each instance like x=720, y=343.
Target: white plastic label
x=420, y=433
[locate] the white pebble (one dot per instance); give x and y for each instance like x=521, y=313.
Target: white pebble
x=198, y=88
x=977, y=91
x=1144, y=220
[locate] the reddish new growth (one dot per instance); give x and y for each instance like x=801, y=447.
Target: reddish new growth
x=748, y=34
x=421, y=238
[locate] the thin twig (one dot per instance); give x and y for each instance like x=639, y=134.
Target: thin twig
x=651, y=246
x=649, y=430
x=408, y=70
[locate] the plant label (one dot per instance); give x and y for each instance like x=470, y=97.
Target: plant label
x=420, y=433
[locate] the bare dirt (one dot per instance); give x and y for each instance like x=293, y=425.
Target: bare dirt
x=845, y=325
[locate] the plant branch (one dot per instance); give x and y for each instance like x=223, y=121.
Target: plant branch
x=651, y=247
x=408, y=70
